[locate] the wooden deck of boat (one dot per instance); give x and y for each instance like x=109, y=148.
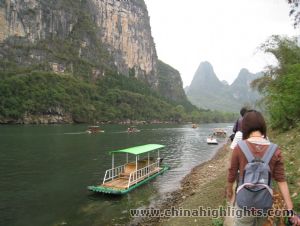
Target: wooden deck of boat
x=122, y=182
x=117, y=183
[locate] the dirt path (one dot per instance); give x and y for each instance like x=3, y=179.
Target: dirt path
x=203, y=188
x=205, y=185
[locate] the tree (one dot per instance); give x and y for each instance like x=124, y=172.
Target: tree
x=280, y=85
x=295, y=12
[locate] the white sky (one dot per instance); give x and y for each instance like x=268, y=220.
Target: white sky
x=227, y=33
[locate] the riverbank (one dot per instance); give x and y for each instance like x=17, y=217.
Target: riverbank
x=203, y=186
x=64, y=118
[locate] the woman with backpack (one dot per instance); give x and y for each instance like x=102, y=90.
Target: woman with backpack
x=256, y=160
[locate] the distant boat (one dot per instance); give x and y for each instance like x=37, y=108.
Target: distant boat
x=121, y=179
x=211, y=140
x=94, y=129
x=219, y=132
x=133, y=129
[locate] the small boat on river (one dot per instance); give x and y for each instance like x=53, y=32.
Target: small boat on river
x=133, y=129
x=219, y=132
x=124, y=178
x=211, y=140
x=94, y=129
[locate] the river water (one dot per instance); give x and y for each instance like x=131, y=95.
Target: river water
x=44, y=171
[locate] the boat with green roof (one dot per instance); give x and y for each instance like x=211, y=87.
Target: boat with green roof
x=124, y=178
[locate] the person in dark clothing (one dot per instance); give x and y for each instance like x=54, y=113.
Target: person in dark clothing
x=238, y=124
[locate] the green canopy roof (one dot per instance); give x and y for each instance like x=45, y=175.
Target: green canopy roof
x=139, y=149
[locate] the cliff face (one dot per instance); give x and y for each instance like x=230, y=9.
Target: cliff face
x=9, y=23
x=35, y=20
x=120, y=27
x=170, y=83
x=126, y=30
x=73, y=58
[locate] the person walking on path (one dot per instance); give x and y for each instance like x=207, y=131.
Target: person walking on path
x=237, y=129
x=255, y=134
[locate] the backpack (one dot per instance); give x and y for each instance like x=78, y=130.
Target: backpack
x=254, y=189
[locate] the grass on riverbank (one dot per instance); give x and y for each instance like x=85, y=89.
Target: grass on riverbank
x=289, y=143
x=203, y=187
x=209, y=191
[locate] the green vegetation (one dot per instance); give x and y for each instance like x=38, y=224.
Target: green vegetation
x=281, y=89
x=281, y=85
x=112, y=98
x=294, y=12
x=289, y=144
x=43, y=92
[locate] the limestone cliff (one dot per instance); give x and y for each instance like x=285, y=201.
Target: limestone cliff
x=82, y=60
x=170, y=83
x=125, y=28
x=120, y=27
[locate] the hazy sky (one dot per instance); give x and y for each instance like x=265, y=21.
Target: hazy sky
x=227, y=33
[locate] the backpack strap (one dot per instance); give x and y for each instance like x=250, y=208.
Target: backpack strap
x=267, y=156
x=245, y=149
x=269, y=153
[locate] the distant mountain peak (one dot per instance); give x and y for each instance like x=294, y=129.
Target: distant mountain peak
x=207, y=91
x=206, y=64
x=244, y=78
x=205, y=69
x=204, y=78
x=244, y=71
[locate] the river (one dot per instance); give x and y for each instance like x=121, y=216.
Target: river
x=44, y=171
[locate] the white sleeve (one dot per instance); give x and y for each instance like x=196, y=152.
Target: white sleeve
x=238, y=136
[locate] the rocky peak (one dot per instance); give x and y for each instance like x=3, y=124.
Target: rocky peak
x=204, y=78
x=241, y=87
x=206, y=90
x=244, y=78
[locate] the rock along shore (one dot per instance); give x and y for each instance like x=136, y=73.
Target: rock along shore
x=203, y=187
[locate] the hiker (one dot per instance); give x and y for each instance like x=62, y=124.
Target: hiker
x=238, y=124
x=255, y=145
x=237, y=129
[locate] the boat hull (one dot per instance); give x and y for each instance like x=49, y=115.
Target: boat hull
x=211, y=141
x=115, y=191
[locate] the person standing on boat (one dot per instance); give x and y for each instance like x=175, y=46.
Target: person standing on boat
x=237, y=129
